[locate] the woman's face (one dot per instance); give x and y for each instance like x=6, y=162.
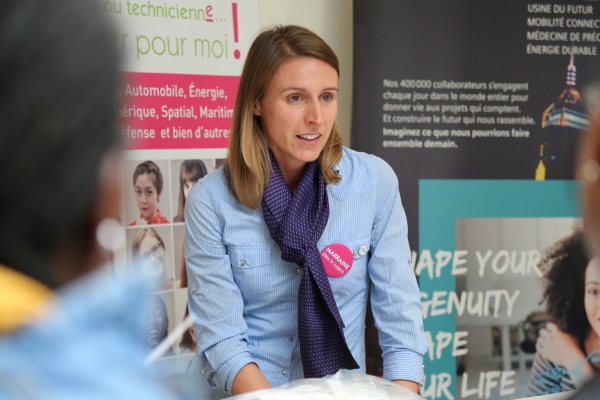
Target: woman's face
x=298, y=110
x=152, y=256
x=187, y=186
x=158, y=323
x=146, y=196
x=592, y=294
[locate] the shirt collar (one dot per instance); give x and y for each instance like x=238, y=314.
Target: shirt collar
x=22, y=299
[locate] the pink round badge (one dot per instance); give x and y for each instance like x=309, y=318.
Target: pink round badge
x=337, y=259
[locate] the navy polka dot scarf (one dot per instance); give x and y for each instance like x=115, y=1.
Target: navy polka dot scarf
x=296, y=221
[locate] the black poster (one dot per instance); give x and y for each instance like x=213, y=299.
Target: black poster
x=478, y=106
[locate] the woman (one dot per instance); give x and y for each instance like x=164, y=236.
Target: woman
x=266, y=308
x=148, y=185
x=148, y=253
x=190, y=172
x=567, y=347
x=157, y=328
x=188, y=339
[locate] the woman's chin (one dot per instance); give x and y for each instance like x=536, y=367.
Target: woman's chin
x=155, y=272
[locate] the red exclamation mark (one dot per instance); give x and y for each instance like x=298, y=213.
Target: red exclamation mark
x=236, y=52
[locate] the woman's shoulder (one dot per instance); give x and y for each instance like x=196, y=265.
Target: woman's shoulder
x=211, y=188
x=365, y=167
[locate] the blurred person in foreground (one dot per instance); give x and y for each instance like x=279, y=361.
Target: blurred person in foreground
x=589, y=173
x=67, y=331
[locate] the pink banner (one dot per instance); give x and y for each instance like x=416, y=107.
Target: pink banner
x=174, y=111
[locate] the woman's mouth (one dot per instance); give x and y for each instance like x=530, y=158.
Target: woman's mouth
x=152, y=333
x=154, y=268
x=309, y=137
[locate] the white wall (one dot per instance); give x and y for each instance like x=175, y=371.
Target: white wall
x=330, y=19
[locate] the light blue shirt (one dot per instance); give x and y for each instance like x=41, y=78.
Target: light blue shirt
x=244, y=298
x=92, y=347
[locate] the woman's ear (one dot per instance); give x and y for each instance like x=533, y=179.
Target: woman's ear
x=256, y=109
x=110, y=189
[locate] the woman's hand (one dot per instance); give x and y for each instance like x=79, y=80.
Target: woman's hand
x=249, y=379
x=410, y=385
x=559, y=347
x=564, y=350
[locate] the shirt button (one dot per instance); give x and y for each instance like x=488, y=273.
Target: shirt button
x=193, y=290
x=204, y=371
x=299, y=270
x=362, y=250
x=243, y=262
x=225, y=391
x=284, y=372
x=291, y=338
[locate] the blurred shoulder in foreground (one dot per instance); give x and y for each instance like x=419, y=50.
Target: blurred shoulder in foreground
x=66, y=329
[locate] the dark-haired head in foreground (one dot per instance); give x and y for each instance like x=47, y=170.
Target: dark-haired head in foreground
x=59, y=84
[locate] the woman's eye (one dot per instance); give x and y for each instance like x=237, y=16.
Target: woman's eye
x=138, y=192
x=295, y=98
x=186, y=186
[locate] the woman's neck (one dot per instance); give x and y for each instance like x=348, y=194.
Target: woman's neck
x=292, y=178
x=153, y=215
x=291, y=171
x=591, y=343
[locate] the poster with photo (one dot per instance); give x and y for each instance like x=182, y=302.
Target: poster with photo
x=181, y=69
x=479, y=106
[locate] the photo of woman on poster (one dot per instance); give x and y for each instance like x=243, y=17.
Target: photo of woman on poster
x=148, y=253
x=157, y=320
x=187, y=345
x=568, y=347
x=190, y=172
x=148, y=186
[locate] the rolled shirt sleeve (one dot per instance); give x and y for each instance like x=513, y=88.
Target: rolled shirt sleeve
x=395, y=297
x=214, y=300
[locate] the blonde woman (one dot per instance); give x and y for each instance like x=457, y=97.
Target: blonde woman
x=284, y=242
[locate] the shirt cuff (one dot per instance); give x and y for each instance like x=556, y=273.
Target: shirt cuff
x=404, y=364
x=230, y=369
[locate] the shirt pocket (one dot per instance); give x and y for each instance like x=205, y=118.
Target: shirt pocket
x=356, y=277
x=252, y=271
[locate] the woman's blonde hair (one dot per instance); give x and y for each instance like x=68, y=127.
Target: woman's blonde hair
x=139, y=236
x=248, y=167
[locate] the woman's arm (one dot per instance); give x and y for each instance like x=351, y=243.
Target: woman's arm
x=249, y=379
x=410, y=385
x=215, y=301
x=395, y=296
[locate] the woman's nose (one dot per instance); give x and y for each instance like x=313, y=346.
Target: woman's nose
x=314, y=114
